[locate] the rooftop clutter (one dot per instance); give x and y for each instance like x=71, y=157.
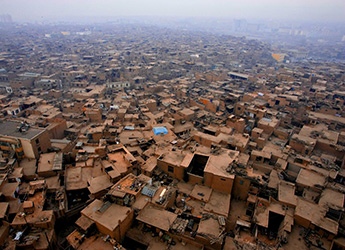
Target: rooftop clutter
x=160, y=139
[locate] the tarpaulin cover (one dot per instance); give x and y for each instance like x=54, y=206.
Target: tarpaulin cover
x=160, y=130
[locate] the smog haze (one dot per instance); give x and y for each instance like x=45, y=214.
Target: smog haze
x=63, y=10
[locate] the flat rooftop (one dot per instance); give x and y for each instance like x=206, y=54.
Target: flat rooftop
x=130, y=184
x=210, y=227
x=172, y=157
x=157, y=217
x=77, y=177
x=3, y=209
x=310, y=178
x=110, y=218
x=9, y=128
x=96, y=242
x=286, y=193
x=45, y=163
x=218, y=164
x=201, y=193
x=99, y=183
x=219, y=203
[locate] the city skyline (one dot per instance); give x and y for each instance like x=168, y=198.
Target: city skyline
x=53, y=10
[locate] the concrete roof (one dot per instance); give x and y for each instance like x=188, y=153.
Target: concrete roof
x=3, y=209
x=286, y=193
x=219, y=203
x=209, y=227
x=201, y=193
x=110, y=218
x=331, y=198
x=84, y=222
x=320, y=132
x=217, y=164
x=315, y=214
x=173, y=157
x=328, y=117
x=45, y=163
x=77, y=177
x=99, y=183
x=96, y=242
x=262, y=212
x=8, y=189
x=150, y=164
x=274, y=179
x=187, y=112
x=310, y=178
x=157, y=217
x=9, y=128
x=264, y=154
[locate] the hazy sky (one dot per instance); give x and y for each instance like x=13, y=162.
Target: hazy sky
x=35, y=10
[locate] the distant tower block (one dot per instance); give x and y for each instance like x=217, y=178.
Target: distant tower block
x=5, y=19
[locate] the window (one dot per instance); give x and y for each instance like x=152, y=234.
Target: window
x=108, y=169
x=39, y=150
x=4, y=143
x=298, y=160
x=37, y=141
x=258, y=158
x=170, y=169
x=222, y=179
x=20, y=153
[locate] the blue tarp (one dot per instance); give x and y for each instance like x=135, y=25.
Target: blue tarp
x=266, y=119
x=160, y=130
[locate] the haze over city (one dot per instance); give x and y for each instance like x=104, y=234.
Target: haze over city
x=177, y=125
x=300, y=10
